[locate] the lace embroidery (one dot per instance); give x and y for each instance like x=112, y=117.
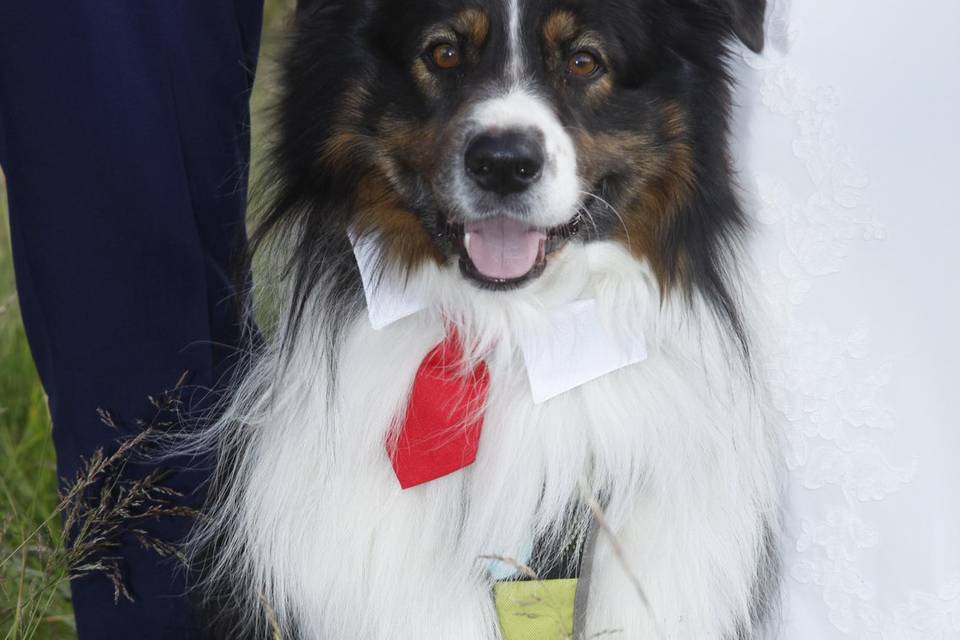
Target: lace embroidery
x=827, y=384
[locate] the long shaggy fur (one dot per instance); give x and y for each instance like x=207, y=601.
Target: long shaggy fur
x=309, y=530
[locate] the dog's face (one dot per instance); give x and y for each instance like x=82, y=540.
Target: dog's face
x=493, y=132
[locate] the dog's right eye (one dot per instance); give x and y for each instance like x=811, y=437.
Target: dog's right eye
x=445, y=55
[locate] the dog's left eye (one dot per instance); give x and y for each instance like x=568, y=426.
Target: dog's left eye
x=583, y=64
x=445, y=55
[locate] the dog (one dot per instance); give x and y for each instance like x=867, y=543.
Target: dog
x=535, y=196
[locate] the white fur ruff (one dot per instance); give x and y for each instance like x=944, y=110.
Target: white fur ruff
x=678, y=445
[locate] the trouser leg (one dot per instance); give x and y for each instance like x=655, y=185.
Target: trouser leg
x=124, y=139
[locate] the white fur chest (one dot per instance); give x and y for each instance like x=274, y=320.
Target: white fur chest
x=329, y=535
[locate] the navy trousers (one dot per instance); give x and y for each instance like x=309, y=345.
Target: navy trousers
x=124, y=136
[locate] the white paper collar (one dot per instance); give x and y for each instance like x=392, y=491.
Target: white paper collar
x=387, y=301
x=571, y=348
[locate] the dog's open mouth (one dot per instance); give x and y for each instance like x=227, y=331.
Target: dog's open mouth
x=504, y=252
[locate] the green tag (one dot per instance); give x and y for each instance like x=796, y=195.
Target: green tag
x=536, y=610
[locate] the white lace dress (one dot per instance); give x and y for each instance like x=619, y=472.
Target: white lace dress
x=848, y=136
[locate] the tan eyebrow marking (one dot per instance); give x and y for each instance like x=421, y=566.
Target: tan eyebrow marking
x=560, y=27
x=474, y=25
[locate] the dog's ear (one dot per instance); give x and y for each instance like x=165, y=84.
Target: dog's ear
x=745, y=19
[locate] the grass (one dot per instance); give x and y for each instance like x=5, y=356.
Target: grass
x=28, y=480
x=34, y=574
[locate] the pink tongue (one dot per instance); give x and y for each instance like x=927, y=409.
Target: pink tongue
x=503, y=248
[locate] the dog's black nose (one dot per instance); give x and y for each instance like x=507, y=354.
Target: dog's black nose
x=504, y=163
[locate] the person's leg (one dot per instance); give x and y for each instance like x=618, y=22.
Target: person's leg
x=124, y=139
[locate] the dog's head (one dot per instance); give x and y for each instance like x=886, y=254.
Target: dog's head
x=491, y=133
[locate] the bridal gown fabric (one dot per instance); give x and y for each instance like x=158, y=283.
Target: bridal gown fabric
x=848, y=138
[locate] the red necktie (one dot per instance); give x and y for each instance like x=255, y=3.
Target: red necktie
x=440, y=432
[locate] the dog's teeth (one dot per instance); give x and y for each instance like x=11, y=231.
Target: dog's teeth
x=466, y=240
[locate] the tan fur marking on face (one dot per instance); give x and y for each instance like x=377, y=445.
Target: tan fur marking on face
x=559, y=28
x=650, y=215
x=412, y=143
x=425, y=79
x=664, y=194
x=674, y=121
x=602, y=153
x=474, y=25
x=379, y=210
x=599, y=91
x=346, y=141
x=661, y=170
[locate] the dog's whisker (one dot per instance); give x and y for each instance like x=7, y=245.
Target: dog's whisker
x=623, y=222
x=584, y=211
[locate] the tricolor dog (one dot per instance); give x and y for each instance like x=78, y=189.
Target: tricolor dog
x=511, y=381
